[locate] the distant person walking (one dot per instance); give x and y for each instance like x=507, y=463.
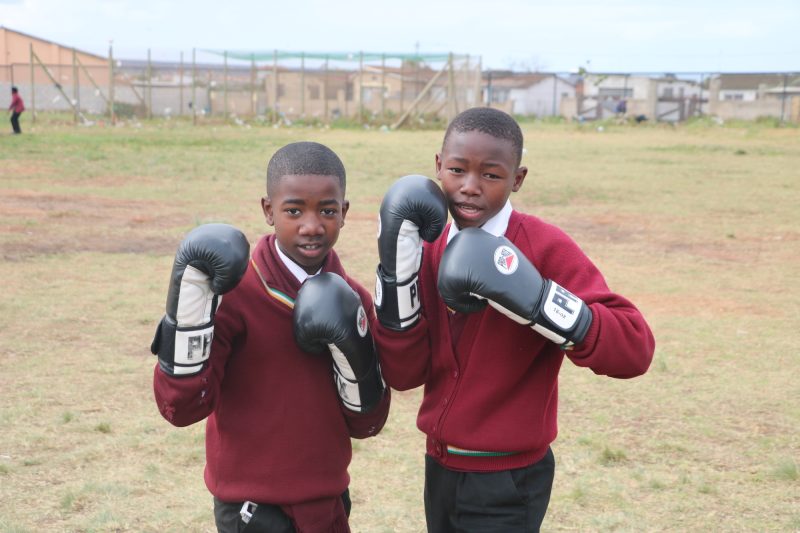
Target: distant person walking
x=17, y=107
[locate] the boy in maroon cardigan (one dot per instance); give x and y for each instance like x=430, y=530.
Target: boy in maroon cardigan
x=483, y=319
x=279, y=419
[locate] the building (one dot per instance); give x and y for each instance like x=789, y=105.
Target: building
x=61, y=75
x=528, y=94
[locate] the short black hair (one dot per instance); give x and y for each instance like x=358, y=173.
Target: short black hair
x=491, y=122
x=305, y=158
x=14, y=90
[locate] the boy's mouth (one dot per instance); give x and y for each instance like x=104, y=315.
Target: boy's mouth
x=311, y=249
x=467, y=211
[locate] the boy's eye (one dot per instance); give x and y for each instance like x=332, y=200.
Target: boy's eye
x=493, y=176
x=292, y=211
x=456, y=170
x=329, y=212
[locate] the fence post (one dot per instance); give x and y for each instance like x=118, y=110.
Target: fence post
x=361, y=87
x=149, y=86
x=452, y=109
x=194, y=87
x=303, y=84
x=479, y=82
x=275, y=85
x=383, y=86
x=180, y=85
x=111, y=115
x=33, y=88
x=325, y=89
x=252, y=85
x=225, y=85
x=75, y=88
x=783, y=99
x=555, y=93
x=402, y=84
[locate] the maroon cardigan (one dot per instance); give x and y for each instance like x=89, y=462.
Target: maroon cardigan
x=496, y=390
x=276, y=431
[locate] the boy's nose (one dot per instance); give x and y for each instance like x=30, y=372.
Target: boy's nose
x=471, y=184
x=311, y=226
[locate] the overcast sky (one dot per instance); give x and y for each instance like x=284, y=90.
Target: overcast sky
x=609, y=35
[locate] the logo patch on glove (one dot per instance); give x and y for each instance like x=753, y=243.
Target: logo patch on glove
x=505, y=260
x=361, y=321
x=562, y=307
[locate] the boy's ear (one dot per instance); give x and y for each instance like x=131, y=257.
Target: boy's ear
x=345, y=207
x=266, y=206
x=519, y=177
x=438, y=163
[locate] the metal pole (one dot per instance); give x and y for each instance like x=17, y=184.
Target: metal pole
x=451, y=89
x=555, y=92
x=783, y=99
x=111, y=115
x=383, y=86
x=252, y=85
x=361, y=87
x=325, y=89
x=302, y=84
x=33, y=88
x=700, y=104
x=479, y=81
x=149, y=86
x=75, y=87
x=180, y=85
x=402, y=84
x=275, y=85
x=225, y=85
x=489, y=89
x=194, y=88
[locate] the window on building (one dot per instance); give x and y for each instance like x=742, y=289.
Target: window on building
x=313, y=92
x=614, y=92
x=733, y=96
x=667, y=92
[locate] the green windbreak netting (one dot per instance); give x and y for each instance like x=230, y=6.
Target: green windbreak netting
x=261, y=55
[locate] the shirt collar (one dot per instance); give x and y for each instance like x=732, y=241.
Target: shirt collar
x=293, y=267
x=497, y=225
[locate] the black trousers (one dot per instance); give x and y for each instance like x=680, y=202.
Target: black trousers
x=482, y=502
x=15, y=122
x=269, y=518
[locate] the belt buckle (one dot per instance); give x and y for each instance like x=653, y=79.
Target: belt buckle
x=248, y=508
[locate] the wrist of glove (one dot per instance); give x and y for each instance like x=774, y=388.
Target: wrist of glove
x=397, y=304
x=559, y=315
x=182, y=351
x=359, y=393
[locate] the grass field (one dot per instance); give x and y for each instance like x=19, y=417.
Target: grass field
x=699, y=225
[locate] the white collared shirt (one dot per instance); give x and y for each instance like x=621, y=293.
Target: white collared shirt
x=296, y=270
x=497, y=225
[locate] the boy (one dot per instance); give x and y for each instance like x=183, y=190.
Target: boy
x=490, y=371
x=279, y=419
x=16, y=108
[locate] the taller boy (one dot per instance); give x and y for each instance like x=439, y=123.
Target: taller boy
x=491, y=371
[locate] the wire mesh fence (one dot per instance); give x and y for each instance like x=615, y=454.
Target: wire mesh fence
x=391, y=90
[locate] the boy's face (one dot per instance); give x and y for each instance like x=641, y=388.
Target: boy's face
x=307, y=212
x=478, y=173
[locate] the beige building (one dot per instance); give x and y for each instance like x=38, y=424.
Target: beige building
x=15, y=59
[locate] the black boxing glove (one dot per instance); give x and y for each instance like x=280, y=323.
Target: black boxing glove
x=478, y=268
x=414, y=208
x=328, y=314
x=210, y=261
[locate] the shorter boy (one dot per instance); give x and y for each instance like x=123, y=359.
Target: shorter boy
x=279, y=418
x=483, y=319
